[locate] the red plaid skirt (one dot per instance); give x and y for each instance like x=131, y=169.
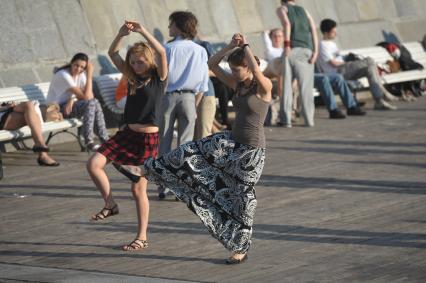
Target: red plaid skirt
x=127, y=147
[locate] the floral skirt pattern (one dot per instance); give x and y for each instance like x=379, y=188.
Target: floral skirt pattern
x=215, y=177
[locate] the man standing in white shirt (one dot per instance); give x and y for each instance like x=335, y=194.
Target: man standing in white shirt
x=187, y=80
x=331, y=62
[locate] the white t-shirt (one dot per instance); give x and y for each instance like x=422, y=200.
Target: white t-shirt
x=61, y=82
x=328, y=51
x=271, y=52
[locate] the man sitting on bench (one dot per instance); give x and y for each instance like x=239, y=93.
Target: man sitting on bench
x=331, y=62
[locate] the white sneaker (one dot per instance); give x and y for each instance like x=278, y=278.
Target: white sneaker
x=383, y=105
x=92, y=146
x=390, y=97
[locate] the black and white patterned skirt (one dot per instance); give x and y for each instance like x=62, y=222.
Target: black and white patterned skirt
x=215, y=177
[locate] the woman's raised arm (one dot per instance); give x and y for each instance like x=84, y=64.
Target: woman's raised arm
x=114, y=48
x=220, y=73
x=264, y=84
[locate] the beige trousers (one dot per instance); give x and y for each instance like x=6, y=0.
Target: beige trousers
x=206, y=111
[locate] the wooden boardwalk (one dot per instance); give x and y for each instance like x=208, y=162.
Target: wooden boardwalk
x=344, y=201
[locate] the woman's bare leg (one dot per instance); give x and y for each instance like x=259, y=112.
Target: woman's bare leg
x=18, y=118
x=139, y=191
x=32, y=119
x=95, y=167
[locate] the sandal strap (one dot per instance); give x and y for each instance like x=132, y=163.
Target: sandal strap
x=136, y=244
x=106, y=212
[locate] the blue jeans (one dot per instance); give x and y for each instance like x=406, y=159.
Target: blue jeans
x=325, y=83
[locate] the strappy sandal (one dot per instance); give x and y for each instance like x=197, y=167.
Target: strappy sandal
x=105, y=213
x=137, y=244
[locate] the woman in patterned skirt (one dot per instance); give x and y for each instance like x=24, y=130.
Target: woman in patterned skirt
x=146, y=74
x=215, y=176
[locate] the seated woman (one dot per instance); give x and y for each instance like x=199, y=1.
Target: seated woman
x=71, y=88
x=14, y=116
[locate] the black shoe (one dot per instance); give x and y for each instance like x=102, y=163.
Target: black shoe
x=356, y=111
x=161, y=196
x=283, y=125
x=44, y=163
x=132, y=177
x=336, y=114
x=232, y=260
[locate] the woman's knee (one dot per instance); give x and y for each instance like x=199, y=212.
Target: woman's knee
x=24, y=106
x=96, y=161
x=139, y=188
x=28, y=104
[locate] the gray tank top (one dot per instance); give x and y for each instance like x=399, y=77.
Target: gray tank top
x=250, y=115
x=301, y=35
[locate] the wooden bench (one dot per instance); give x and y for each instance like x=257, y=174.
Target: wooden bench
x=381, y=56
x=27, y=93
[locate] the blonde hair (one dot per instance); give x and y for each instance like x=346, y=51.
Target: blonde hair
x=139, y=48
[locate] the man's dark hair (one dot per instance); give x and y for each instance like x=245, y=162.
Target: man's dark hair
x=327, y=25
x=186, y=22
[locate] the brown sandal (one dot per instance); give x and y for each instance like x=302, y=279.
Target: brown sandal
x=105, y=213
x=137, y=244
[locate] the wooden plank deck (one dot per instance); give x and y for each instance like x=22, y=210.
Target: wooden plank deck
x=341, y=202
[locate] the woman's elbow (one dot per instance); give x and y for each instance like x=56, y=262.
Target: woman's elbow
x=111, y=55
x=162, y=53
x=212, y=65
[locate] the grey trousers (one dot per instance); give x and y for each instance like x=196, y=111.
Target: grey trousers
x=297, y=66
x=180, y=107
x=364, y=68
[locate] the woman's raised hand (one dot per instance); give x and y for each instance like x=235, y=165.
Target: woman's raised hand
x=243, y=40
x=237, y=40
x=134, y=26
x=124, y=30
x=89, y=68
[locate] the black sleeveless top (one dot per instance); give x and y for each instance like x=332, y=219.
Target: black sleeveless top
x=141, y=106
